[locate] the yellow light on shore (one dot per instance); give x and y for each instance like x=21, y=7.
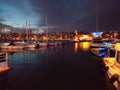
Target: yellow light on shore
x=17, y=38
x=45, y=38
x=85, y=37
x=32, y=38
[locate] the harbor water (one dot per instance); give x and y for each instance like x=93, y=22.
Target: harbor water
x=68, y=67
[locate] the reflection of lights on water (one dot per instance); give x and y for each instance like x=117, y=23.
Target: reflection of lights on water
x=76, y=47
x=84, y=46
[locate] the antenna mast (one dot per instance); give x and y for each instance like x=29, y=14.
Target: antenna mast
x=96, y=15
x=47, y=25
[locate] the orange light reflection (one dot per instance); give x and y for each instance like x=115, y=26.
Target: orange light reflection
x=76, y=47
x=84, y=46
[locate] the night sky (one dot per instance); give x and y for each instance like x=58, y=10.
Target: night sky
x=61, y=15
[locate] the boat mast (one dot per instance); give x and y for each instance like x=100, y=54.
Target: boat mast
x=47, y=26
x=29, y=31
x=26, y=29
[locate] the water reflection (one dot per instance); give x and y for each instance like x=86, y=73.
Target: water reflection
x=11, y=50
x=60, y=51
x=4, y=68
x=55, y=68
x=4, y=81
x=76, y=47
x=82, y=45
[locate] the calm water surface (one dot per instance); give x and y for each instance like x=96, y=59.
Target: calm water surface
x=68, y=67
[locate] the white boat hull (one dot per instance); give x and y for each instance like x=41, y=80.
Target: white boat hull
x=11, y=47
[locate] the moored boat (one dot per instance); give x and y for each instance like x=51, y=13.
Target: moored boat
x=11, y=47
x=28, y=45
x=99, y=52
x=113, y=67
x=4, y=62
x=97, y=44
x=43, y=44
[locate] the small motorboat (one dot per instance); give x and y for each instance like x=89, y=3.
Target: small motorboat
x=99, y=52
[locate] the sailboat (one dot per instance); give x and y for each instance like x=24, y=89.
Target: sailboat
x=29, y=44
x=99, y=45
x=10, y=45
x=44, y=43
x=48, y=42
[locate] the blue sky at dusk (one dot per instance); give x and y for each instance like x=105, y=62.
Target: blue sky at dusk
x=17, y=12
x=62, y=15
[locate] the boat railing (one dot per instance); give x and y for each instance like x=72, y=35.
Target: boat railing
x=3, y=57
x=4, y=62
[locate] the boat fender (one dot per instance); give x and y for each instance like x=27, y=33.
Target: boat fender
x=37, y=45
x=114, y=78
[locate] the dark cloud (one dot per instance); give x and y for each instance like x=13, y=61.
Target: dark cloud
x=72, y=14
x=64, y=13
x=109, y=14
